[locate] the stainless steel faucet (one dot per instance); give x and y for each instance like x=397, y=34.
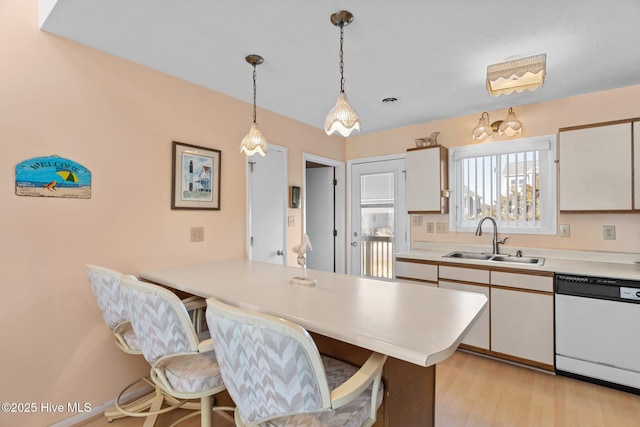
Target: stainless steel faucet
x=496, y=242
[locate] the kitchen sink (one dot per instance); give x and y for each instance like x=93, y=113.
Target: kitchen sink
x=469, y=255
x=521, y=260
x=498, y=258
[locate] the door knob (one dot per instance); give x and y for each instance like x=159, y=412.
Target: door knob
x=354, y=243
x=280, y=252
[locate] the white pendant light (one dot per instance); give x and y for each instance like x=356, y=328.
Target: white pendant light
x=342, y=118
x=254, y=142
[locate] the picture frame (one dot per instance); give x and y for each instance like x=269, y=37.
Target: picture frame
x=196, y=175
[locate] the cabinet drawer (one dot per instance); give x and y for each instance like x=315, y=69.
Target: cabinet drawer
x=421, y=282
x=522, y=281
x=417, y=270
x=464, y=274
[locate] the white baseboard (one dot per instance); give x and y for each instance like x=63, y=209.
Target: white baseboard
x=97, y=410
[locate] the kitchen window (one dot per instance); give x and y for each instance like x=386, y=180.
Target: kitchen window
x=514, y=182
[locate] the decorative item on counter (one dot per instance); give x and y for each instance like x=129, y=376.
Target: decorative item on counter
x=53, y=176
x=428, y=141
x=301, y=250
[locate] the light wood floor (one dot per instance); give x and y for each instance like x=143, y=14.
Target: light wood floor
x=474, y=391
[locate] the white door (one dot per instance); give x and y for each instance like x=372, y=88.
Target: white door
x=378, y=224
x=320, y=217
x=267, y=206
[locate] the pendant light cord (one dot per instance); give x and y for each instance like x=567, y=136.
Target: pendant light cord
x=341, y=59
x=254, y=93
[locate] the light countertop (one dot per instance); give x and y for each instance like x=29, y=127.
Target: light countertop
x=414, y=323
x=586, y=263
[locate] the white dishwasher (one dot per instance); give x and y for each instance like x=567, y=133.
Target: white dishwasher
x=596, y=330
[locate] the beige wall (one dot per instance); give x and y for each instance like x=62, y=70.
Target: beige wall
x=117, y=119
x=538, y=119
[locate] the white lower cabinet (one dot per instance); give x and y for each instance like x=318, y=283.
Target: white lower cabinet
x=478, y=335
x=522, y=317
x=470, y=280
x=518, y=323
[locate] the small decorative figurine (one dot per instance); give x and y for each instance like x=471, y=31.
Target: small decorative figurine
x=301, y=250
x=428, y=141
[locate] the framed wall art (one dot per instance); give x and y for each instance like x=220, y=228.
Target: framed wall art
x=196, y=177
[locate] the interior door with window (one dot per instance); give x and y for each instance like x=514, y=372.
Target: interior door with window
x=267, y=206
x=378, y=226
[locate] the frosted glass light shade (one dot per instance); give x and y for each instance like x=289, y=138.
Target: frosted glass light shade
x=483, y=128
x=254, y=142
x=510, y=126
x=342, y=118
x=517, y=75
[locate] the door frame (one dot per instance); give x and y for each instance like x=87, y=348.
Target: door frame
x=350, y=163
x=339, y=207
x=285, y=199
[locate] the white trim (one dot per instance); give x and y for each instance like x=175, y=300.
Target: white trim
x=97, y=410
x=536, y=143
x=339, y=203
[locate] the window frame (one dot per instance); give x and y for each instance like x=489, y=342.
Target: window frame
x=546, y=145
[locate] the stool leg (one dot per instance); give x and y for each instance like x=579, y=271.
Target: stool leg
x=206, y=411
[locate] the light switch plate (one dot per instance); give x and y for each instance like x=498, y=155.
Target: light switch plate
x=565, y=230
x=442, y=227
x=430, y=229
x=609, y=232
x=417, y=220
x=197, y=234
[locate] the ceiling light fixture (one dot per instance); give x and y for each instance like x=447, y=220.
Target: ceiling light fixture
x=342, y=118
x=483, y=128
x=254, y=142
x=509, y=126
x=517, y=75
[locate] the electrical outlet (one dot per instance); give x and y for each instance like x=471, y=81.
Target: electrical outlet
x=197, y=234
x=442, y=227
x=565, y=230
x=291, y=220
x=609, y=232
x=417, y=220
x=430, y=229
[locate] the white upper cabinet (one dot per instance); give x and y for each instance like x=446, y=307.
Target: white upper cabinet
x=596, y=168
x=427, y=177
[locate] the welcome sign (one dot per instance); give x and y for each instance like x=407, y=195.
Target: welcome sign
x=53, y=176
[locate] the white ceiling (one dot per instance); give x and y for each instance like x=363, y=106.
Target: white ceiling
x=431, y=55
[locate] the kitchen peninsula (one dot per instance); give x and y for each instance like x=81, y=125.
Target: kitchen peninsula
x=349, y=316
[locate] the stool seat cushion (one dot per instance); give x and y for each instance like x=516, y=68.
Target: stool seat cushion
x=192, y=373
